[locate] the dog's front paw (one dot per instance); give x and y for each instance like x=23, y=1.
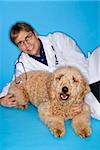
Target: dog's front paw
x=83, y=132
x=22, y=107
x=58, y=132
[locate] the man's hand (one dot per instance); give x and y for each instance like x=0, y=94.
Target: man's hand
x=75, y=109
x=8, y=101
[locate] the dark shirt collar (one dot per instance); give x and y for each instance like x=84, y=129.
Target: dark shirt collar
x=42, y=57
x=41, y=49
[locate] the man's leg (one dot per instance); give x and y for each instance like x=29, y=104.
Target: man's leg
x=93, y=98
x=95, y=89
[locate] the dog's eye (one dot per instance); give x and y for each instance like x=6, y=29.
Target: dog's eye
x=59, y=77
x=74, y=79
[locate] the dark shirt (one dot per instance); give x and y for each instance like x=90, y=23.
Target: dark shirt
x=95, y=89
x=42, y=57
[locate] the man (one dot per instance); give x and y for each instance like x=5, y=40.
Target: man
x=44, y=53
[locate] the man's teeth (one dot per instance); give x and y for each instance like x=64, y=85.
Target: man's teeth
x=29, y=49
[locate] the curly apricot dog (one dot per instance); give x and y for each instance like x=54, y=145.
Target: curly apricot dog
x=54, y=95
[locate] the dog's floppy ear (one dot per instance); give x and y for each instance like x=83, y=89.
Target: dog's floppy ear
x=50, y=87
x=49, y=82
x=84, y=90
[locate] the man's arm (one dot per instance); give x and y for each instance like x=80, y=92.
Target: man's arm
x=8, y=101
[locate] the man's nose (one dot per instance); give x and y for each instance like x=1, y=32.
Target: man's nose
x=26, y=43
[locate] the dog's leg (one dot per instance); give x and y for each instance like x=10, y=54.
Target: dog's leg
x=81, y=123
x=54, y=123
x=21, y=96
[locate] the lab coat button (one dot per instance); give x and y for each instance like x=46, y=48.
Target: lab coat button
x=42, y=59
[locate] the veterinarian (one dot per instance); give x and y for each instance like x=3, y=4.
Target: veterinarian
x=48, y=53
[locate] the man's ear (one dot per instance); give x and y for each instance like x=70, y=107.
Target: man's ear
x=36, y=34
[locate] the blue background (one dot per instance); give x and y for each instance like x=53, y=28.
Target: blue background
x=78, y=19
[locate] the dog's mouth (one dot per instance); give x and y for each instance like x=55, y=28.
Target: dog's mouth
x=64, y=96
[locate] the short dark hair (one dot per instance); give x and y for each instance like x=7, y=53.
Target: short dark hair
x=19, y=26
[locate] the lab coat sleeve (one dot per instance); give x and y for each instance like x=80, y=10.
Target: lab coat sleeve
x=5, y=89
x=19, y=71
x=64, y=42
x=70, y=52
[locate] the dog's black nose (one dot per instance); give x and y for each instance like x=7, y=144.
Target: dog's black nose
x=65, y=89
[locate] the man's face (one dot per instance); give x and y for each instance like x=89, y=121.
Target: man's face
x=28, y=43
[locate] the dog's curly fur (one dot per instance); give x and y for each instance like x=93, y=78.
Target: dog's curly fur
x=54, y=95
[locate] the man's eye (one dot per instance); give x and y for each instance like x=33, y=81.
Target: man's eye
x=20, y=43
x=27, y=38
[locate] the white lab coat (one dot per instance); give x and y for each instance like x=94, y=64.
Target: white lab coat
x=66, y=51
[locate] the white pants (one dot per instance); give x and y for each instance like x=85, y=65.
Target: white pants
x=94, y=76
x=94, y=66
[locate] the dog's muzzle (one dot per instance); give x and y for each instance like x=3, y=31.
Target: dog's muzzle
x=64, y=94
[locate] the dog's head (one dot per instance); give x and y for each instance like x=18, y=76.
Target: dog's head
x=67, y=84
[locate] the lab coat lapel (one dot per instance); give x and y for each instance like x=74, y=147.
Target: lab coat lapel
x=50, y=54
x=36, y=64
